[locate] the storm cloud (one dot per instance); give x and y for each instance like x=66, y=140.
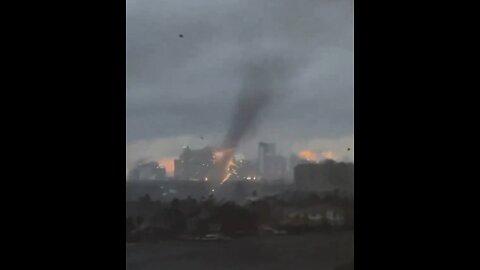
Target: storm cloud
x=188, y=87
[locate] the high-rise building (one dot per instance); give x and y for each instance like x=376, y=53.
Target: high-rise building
x=270, y=165
x=194, y=164
x=264, y=151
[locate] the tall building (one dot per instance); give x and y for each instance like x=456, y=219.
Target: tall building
x=194, y=164
x=270, y=165
x=264, y=150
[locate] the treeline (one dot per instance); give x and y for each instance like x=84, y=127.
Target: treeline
x=149, y=220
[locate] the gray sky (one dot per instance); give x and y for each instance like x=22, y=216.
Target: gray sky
x=179, y=89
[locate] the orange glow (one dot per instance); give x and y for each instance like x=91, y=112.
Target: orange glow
x=308, y=155
x=217, y=156
x=167, y=163
x=225, y=161
x=328, y=155
x=230, y=170
x=312, y=156
x=221, y=154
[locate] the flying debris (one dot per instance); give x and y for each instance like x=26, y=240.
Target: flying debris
x=348, y=149
x=181, y=36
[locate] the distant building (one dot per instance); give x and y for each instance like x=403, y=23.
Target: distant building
x=194, y=164
x=270, y=165
x=324, y=176
x=246, y=169
x=293, y=161
x=148, y=171
x=264, y=150
x=275, y=167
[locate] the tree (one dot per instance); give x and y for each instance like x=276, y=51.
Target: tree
x=130, y=226
x=235, y=218
x=325, y=222
x=140, y=220
x=313, y=198
x=146, y=198
x=175, y=219
x=346, y=266
x=175, y=203
x=239, y=192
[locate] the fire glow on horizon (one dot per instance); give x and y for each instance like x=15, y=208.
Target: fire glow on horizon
x=225, y=161
x=328, y=155
x=308, y=155
x=312, y=156
x=168, y=164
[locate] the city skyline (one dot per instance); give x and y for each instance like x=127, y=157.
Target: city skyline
x=171, y=167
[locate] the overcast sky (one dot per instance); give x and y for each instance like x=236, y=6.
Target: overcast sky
x=181, y=89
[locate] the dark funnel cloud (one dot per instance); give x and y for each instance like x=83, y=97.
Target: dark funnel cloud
x=260, y=87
